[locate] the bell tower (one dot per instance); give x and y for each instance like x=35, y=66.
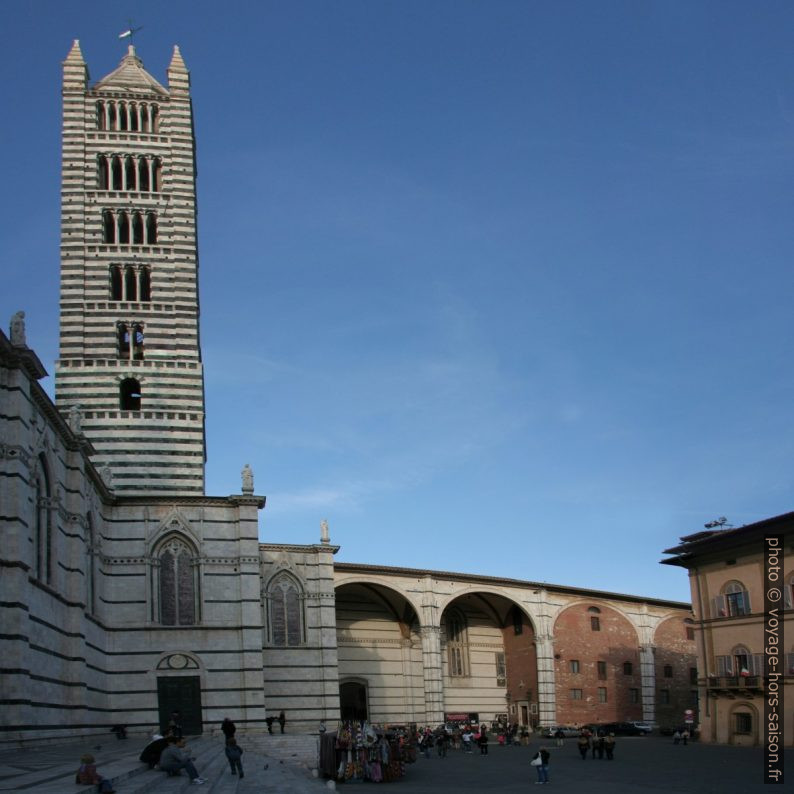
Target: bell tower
x=130, y=360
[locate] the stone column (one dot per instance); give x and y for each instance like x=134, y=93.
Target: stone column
x=547, y=689
x=434, y=681
x=648, y=682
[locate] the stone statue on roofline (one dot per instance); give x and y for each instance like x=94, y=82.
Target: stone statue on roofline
x=248, y=478
x=76, y=419
x=325, y=535
x=18, y=330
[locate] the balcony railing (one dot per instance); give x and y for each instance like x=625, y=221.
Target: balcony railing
x=735, y=684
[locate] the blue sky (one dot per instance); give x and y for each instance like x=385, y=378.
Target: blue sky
x=494, y=287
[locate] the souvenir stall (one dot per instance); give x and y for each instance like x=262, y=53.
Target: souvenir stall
x=360, y=751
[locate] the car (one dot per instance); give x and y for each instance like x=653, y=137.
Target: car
x=567, y=730
x=620, y=729
x=640, y=725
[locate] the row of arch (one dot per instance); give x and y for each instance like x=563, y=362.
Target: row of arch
x=143, y=173
x=130, y=283
x=120, y=227
x=120, y=115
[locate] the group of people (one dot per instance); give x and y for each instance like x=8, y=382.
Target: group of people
x=169, y=754
x=600, y=746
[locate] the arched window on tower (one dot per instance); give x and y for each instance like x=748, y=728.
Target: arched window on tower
x=130, y=395
x=157, y=175
x=123, y=121
x=115, y=173
x=178, y=583
x=151, y=228
x=130, y=284
x=124, y=228
x=112, y=116
x=137, y=229
x=143, y=175
x=286, y=611
x=123, y=338
x=146, y=284
x=129, y=168
x=137, y=342
x=103, y=175
x=115, y=283
x=457, y=636
x=100, y=115
x=133, y=116
x=154, y=118
x=108, y=227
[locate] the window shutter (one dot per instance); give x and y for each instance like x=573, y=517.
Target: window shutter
x=718, y=609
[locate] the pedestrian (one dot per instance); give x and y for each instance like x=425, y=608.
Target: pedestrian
x=676, y=736
x=584, y=745
x=234, y=754
x=609, y=746
x=228, y=728
x=598, y=747
x=560, y=737
x=685, y=735
x=282, y=719
x=87, y=775
x=175, y=758
x=483, y=740
x=175, y=725
x=151, y=753
x=269, y=721
x=441, y=743
x=541, y=763
x=466, y=738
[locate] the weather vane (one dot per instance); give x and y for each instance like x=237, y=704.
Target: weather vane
x=130, y=32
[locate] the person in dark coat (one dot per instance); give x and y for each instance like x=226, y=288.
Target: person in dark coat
x=151, y=753
x=228, y=728
x=282, y=719
x=584, y=745
x=542, y=768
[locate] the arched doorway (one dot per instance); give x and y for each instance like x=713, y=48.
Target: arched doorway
x=353, y=700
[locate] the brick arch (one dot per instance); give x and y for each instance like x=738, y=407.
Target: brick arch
x=581, y=683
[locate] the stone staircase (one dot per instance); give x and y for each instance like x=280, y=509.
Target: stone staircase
x=273, y=764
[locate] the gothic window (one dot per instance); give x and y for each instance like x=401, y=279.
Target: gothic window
x=286, y=612
x=137, y=229
x=143, y=175
x=100, y=115
x=501, y=669
x=115, y=173
x=124, y=228
x=90, y=582
x=129, y=173
x=108, y=227
x=178, y=584
x=115, y=283
x=130, y=395
x=151, y=228
x=42, y=531
x=123, y=340
x=137, y=342
x=457, y=643
x=130, y=284
x=103, y=175
x=146, y=285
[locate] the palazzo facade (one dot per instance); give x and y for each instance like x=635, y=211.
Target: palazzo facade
x=127, y=592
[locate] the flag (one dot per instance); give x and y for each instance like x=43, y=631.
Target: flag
x=126, y=34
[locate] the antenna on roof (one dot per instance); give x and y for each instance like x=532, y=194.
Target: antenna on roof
x=719, y=522
x=130, y=32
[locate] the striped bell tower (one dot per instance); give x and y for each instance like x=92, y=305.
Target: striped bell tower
x=129, y=373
